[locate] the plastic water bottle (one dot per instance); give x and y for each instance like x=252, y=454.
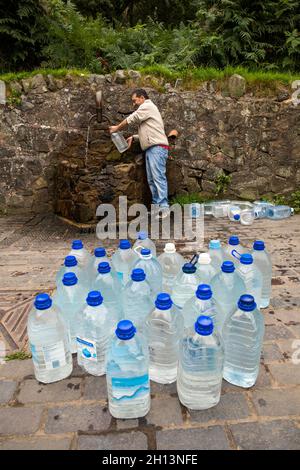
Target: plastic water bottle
x=81, y=254
x=99, y=257
x=202, y=303
x=49, y=341
x=70, y=299
x=195, y=210
x=216, y=253
x=171, y=263
x=279, y=212
x=185, y=285
x=71, y=266
x=205, y=269
x=127, y=373
x=164, y=329
x=144, y=241
x=119, y=141
x=219, y=209
x=137, y=299
x=234, y=213
x=227, y=287
x=251, y=276
x=233, y=244
x=247, y=216
x=152, y=269
x=263, y=261
x=243, y=334
x=200, y=367
x=95, y=327
x=110, y=288
x=123, y=260
x=261, y=209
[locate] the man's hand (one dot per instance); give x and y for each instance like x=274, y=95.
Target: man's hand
x=129, y=141
x=113, y=129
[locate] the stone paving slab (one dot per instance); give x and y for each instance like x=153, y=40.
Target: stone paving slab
x=73, y=413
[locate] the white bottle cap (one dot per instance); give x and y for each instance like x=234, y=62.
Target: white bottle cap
x=170, y=248
x=204, y=258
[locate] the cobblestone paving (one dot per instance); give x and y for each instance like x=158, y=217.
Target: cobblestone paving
x=73, y=413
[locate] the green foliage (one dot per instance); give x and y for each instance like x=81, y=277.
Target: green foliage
x=222, y=182
x=14, y=99
x=18, y=355
x=188, y=199
x=295, y=201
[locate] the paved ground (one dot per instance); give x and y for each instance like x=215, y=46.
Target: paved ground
x=73, y=414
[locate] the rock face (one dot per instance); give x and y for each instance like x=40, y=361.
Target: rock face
x=242, y=147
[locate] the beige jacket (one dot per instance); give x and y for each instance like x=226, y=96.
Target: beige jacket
x=150, y=125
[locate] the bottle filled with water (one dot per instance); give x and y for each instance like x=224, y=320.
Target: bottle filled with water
x=202, y=303
x=71, y=266
x=216, y=254
x=243, y=334
x=200, y=367
x=81, y=254
x=233, y=244
x=110, y=287
x=151, y=267
x=145, y=242
x=263, y=261
x=205, y=269
x=164, y=329
x=127, y=373
x=185, y=285
x=99, y=257
x=49, y=341
x=171, y=263
x=251, y=275
x=123, y=260
x=279, y=212
x=261, y=209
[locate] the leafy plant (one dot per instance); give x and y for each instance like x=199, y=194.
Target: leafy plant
x=14, y=99
x=17, y=355
x=188, y=199
x=222, y=182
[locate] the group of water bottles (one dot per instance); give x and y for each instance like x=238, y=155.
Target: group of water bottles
x=242, y=211
x=137, y=317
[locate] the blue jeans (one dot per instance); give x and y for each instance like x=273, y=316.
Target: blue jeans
x=156, y=159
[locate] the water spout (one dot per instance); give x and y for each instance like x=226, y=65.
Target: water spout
x=99, y=116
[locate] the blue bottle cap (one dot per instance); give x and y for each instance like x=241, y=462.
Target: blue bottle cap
x=204, y=292
x=204, y=325
x=246, y=258
x=145, y=252
x=138, y=275
x=259, y=245
x=163, y=301
x=104, y=268
x=69, y=279
x=228, y=267
x=142, y=235
x=247, y=303
x=94, y=298
x=100, y=252
x=77, y=245
x=125, y=330
x=215, y=244
x=234, y=240
x=70, y=261
x=236, y=216
x=189, y=268
x=124, y=244
x=42, y=301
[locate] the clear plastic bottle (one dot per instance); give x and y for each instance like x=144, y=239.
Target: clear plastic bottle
x=261, y=209
x=216, y=253
x=145, y=242
x=164, y=329
x=137, y=299
x=110, y=288
x=123, y=260
x=219, y=209
x=95, y=327
x=205, y=269
x=233, y=244
x=202, y=303
x=243, y=334
x=171, y=263
x=71, y=266
x=247, y=216
x=279, y=212
x=251, y=275
x=70, y=299
x=49, y=341
x=81, y=254
x=127, y=373
x=200, y=367
x=99, y=257
x=152, y=269
x=234, y=213
x=227, y=287
x=119, y=141
x=263, y=261
x=185, y=285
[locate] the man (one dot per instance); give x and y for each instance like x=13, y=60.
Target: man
x=154, y=143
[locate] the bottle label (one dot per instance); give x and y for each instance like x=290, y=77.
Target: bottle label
x=86, y=348
x=54, y=355
x=120, y=276
x=129, y=388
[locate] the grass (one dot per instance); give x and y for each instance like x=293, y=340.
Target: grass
x=292, y=200
x=189, y=198
x=58, y=73
x=18, y=355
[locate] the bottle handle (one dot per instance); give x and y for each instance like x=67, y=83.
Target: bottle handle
x=140, y=247
x=237, y=257
x=194, y=259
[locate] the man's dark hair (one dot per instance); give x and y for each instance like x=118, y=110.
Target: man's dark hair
x=140, y=92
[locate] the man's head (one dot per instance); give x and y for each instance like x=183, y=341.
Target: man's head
x=138, y=97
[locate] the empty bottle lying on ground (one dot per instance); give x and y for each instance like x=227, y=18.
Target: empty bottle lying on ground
x=110, y=287
x=137, y=299
x=95, y=327
x=243, y=334
x=145, y=242
x=123, y=260
x=151, y=267
x=185, y=285
x=205, y=269
x=218, y=209
x=164, y=329
x=81, y=254
x=171, y=263
x=127, y=373
x=71, y=266
x=49, y=341
x=279, y=212
x=202, y=303
x=227, y=287
x=263, y=261
x=251, y=275
x=70, y=299
x=200, y=367
x=261, y=209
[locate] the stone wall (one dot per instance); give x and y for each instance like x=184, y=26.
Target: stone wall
x=255, y=142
